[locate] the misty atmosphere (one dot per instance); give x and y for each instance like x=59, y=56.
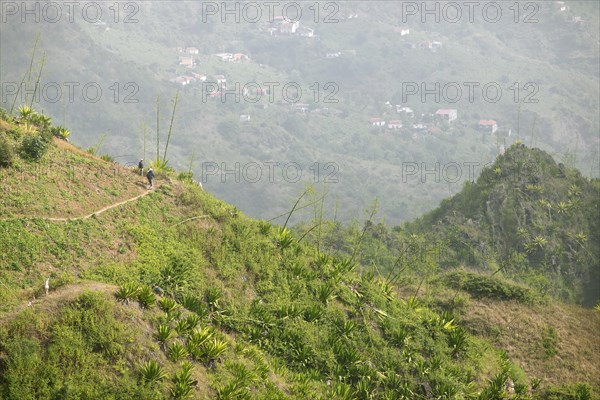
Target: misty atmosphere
x=309, y=199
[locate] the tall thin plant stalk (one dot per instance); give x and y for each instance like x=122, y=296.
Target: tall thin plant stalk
x=157, y=128
x=170, y=127
x=39, y=77
x=28, y=74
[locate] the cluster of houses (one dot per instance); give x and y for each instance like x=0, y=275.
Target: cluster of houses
x=186, y=56
x=285, y=26
x=187, y=59
x=232, y=57
x=448, y=115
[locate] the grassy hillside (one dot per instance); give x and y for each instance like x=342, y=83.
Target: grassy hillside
x=244, y=310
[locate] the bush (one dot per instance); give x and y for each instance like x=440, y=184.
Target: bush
x=6, y=153
x=490, y=287
x=34, y=147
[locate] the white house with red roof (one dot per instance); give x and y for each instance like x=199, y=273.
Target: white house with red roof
x=488, y=125
x=394, y=124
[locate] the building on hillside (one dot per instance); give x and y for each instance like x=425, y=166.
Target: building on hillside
x=244, y=118
x=450, y=115
x=187, y=61
x=302, y=107
x=192, y=50
x=305, y=31
x=394, y=124
x=239, y=57
x=287, y=26
x=221, y=80
x=224, y=56
x=406, y=110
x=488, y=125
x=377, y=122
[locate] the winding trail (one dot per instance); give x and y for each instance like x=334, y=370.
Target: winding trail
x=55, y=297
x=98, y=212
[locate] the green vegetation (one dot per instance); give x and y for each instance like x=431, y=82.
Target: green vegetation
x=178, y=295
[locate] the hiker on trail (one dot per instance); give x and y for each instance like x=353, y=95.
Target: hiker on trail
x=141, y=167
x=150, y=176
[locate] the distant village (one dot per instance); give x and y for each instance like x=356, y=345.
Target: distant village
x=429, y=123
x=405, y=118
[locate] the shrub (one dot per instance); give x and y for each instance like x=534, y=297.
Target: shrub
x=490, y=287
x=6, y=153
x=34, y=147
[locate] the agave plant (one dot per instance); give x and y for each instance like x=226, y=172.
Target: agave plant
x=181, y=327
x=313, y=313
x=194, y=304
x=346, y=328
x=151, y=371
x=183, y=384
x=264, y=227
x=168, y=305
x=177, y=351
x=127, y=292
x=344, y=265
x=163, y=333
x=232, y=391
x=146, y=297
x=457, y=340
x=289, y=311
x=214, y=348
x=41, y=120
x=196, y=340
x=325, y=292
x=61, y=132
x=283, y=238
x=192, y=321
x=213, y=295
x=400, y=337
x=26, y=112
x=341, y=391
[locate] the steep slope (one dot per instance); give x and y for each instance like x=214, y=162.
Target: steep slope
x=529, y=217
x=243, y=310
